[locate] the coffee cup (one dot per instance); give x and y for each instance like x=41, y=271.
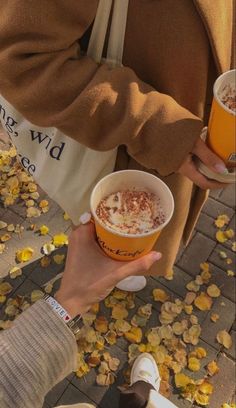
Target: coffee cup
x=124, y=246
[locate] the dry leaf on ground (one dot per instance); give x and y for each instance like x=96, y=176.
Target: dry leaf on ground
x=224, y=338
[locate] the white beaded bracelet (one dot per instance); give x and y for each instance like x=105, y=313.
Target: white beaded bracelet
x=57, y=308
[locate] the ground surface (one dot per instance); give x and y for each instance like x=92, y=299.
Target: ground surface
x=203, y=247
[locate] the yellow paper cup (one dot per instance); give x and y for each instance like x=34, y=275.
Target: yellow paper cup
x=122, y=246
x=221, y=128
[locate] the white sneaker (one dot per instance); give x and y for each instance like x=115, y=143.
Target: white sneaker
x=145, y=369
x=132, y=284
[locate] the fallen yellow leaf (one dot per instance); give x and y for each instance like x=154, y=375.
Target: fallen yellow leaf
x=45, y=261
x=201, y=399
x=230, y=272
x=224, y=338
x=5, y=237
x=194, y=364
x=43, y=204
x=24, y=255
x=214, y=317
x=229, y=233
x=203, y=301
x=119, y=312
x=212, y=368
x=44, y=230
x=60, y=239
x=134, y=335
x=222, y=220
x=181, y=380
x=101, y=324
x=36, y=295
x=3, y=298
x=221, y=237
x=160, y=295
x=213, y=291
x=15, y=272
x=59, y=259
x=5, y=288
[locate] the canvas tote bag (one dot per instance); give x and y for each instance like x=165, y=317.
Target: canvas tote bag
x=65, y=169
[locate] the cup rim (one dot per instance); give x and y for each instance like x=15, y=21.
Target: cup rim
x=215, y=92
x=123, y=234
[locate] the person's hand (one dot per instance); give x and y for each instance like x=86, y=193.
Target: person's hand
x=90, y=275
x=210, y=159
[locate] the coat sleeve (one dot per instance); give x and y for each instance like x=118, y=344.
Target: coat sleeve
x=45, y=77
x=36, y=353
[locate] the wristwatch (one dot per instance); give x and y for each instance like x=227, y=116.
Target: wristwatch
x=74, y=324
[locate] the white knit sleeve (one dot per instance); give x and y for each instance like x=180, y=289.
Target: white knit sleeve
x=36, y=353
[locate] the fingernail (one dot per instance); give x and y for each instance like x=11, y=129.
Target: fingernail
x=220, y=168
x=156, y=256
x=85, y=218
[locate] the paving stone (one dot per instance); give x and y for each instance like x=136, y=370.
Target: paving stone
x=234, y=326
x=223, y=281
x=4, y=267
x=223, y=382
x=19, y=209
x=29, y=239
x=70, y=377
x=178, y=283
x=15, y=283
x=213, y=208
x=2, y=210
x=26, y=288
x=10, y=251
x=42, y=275
x=72, y=396
x=23, y=289
x=104, y=396
x=179, y=401
x=56, y=392
x=198, y=251
x=57, y=223
x=221, y=263
x=215, y=193
x=212, y=354
x=173, y=296
x=232, y=351
x=29, y=268
x=228, y=195
x=181, y=250
x=11, y=218
x=147, y=296
x=226, y=310
x=206, y=226
x=232, y=223
x=46, y=217
x=45, y=405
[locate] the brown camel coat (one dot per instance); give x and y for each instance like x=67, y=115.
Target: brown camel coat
x=154, y=106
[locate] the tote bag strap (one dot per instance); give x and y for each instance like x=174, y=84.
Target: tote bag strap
x=117, y=32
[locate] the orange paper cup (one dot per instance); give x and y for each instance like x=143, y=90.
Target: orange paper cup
x=221, y=129
x=122, y=246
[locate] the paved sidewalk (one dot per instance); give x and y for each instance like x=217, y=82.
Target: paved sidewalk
x=203, y=247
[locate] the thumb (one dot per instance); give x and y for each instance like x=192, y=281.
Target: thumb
x=139, y=266
x=210, y=159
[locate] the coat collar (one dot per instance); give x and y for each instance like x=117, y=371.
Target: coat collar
x=217, y=16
